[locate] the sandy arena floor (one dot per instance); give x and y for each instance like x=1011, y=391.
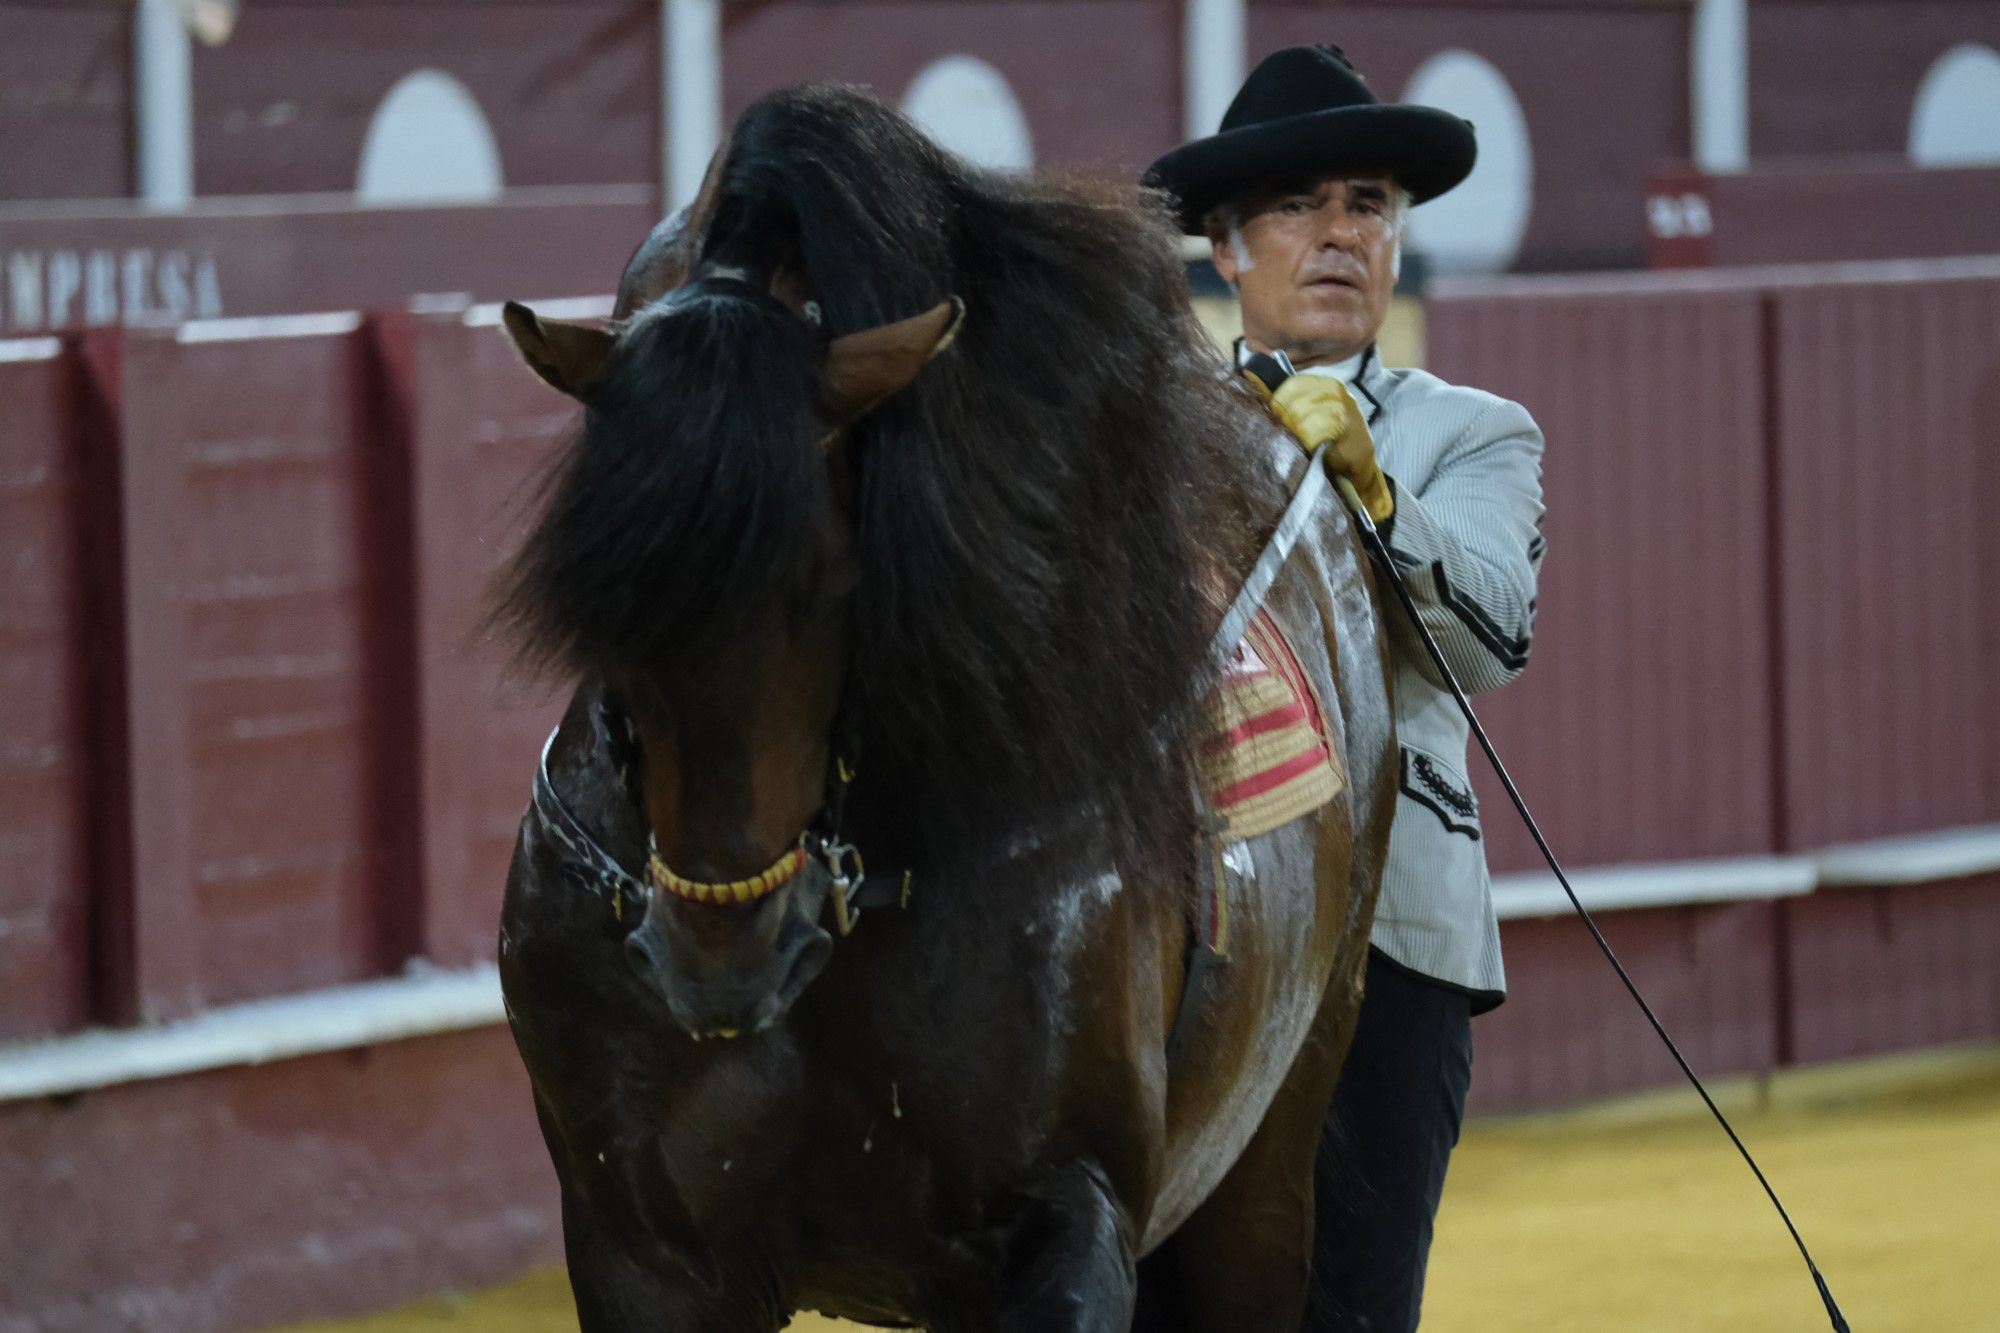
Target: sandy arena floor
x=1637, y=1218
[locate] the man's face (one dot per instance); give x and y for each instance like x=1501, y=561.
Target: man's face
x=1321, y=265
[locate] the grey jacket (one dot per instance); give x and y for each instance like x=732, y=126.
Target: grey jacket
x=1466, y=467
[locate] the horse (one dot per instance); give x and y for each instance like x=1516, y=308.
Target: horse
x=906, y=499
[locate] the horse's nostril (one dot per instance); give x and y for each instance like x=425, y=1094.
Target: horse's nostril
x=800, y=965
x=645, y=956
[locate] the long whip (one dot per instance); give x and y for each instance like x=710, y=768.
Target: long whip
x=1279, y=368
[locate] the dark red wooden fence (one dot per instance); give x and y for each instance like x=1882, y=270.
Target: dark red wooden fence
x=1885, y=969
x=1886, y=480
x=1569, y=1031
x=1767, y=626
x=316, y=1188
x=1642, y=726
x=43, y=751
x=254, y=565
x=480, y=429
x=256, y=744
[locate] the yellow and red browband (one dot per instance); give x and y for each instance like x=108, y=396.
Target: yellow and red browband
x=765, y=882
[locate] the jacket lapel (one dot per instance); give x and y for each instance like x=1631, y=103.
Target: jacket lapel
x=1369, y=383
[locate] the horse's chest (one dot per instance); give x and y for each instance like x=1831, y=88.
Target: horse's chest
x=795, y=1131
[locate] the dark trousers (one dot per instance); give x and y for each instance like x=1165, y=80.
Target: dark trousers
x=1382, y=1154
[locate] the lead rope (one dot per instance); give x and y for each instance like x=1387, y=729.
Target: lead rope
x=1380, y=553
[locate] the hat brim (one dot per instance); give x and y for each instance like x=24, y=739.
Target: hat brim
x=1425, y=150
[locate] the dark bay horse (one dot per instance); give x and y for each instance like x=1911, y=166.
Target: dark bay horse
x=906, y=499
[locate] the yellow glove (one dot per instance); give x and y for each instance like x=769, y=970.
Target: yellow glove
x=1317, y=409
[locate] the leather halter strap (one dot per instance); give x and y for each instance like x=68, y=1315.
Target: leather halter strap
x=819, y=851
x=584, y=859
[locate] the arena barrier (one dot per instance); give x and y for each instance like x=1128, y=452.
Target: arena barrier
x=265, y=752
x=261, y=774
x=1766, y=635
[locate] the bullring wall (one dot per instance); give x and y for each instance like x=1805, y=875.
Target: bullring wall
x=1766, y=632
x=261, y=774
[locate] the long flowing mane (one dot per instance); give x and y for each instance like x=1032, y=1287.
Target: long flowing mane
x=1039, y=514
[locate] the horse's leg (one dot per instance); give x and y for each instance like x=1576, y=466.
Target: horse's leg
x=1070, y=1266
x=617, y=1292
x=1244, y=1258
x=613, y=1293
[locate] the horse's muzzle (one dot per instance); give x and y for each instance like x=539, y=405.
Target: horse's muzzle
x=725, y=971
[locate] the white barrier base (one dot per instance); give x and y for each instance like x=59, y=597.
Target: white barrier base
x=419, y=1003
x=426, y=1001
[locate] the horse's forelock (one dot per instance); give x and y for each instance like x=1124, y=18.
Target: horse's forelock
x=689, y=504
x=1036, y=507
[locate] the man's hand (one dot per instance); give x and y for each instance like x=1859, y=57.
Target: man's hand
x=1318, y=409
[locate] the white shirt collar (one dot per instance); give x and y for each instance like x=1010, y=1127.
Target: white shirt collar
x=1348, y=371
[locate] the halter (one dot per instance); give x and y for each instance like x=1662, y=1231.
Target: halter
x=760, y=885
x=819, y=849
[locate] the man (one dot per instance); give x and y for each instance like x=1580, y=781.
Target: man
x=1303, y=197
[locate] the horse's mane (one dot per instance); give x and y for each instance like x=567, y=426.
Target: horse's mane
x=1038, y=513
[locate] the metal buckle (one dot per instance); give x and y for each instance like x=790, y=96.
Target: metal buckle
x=838, y=856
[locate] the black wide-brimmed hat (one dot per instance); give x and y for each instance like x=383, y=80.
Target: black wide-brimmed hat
x=1307, y=110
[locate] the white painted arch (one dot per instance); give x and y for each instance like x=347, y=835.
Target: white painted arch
x=1956, y=119
x=968, y=106
x=1478, y=227
x=429, y=142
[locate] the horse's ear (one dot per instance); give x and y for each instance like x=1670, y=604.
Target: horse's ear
x=864, y=368
x=570, y=357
